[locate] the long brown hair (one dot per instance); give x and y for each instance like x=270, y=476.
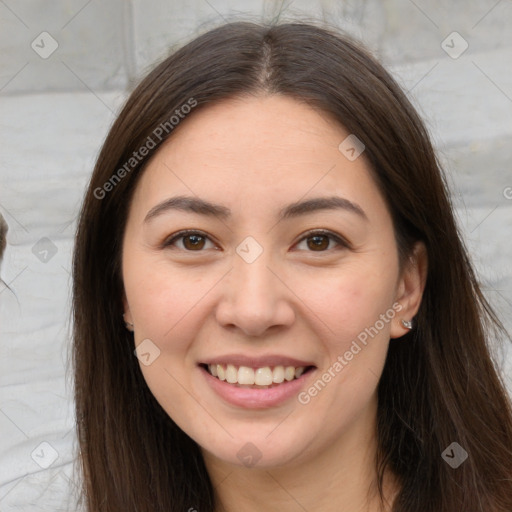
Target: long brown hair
x=439, y=384
x=3, y=236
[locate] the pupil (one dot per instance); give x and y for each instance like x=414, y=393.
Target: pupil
x=319, y=241
x=193, y=241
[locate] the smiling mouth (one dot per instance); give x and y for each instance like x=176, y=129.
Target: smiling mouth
x=256, y=378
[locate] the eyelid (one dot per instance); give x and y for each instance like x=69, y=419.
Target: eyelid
x=341, y=241
x=181, y=234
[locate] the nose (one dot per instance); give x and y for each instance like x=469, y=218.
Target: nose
x=255, y=298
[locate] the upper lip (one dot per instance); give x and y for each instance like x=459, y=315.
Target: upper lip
x=257, y=361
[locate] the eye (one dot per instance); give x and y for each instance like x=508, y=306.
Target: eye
x=191, y=241
x=196, y=241
x=320, y=241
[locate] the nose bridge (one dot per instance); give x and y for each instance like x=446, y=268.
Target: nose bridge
x=253, y=281
x=254, y=299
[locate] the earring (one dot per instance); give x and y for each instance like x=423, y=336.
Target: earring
x=128, y=325
x=407, y=324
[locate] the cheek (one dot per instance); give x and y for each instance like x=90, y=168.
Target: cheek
x=165, y=307
x=355, y=314
x=350, y=301
x=161, y=301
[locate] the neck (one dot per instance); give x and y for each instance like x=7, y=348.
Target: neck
x=340, y=478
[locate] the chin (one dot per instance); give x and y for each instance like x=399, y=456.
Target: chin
x=256, y=450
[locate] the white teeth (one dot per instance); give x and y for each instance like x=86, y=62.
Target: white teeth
x=231, y=374
x=247, y=377
x=263, y=376
x=278, y=376
x=289, y=373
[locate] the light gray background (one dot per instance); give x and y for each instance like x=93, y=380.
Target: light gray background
x=55, y=112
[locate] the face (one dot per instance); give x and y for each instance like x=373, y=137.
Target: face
x=291, y=266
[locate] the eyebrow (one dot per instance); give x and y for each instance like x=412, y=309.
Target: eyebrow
x=199, y=206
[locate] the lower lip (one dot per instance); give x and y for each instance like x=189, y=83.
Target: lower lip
x=253, y=398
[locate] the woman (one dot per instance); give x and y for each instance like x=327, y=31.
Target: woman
x=273, y=308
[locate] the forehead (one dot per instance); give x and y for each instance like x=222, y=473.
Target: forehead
x=257, y=149
x=259, y=130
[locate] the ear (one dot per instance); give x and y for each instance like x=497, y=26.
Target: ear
x=127, y=315
x=411, y=285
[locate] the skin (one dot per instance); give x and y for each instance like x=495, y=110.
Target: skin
x=256, y=155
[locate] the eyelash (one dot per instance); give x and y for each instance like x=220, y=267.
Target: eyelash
x=310, y=234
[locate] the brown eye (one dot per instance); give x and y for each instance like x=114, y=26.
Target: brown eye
x=193, y=242
x=320, y=241
x=190, y=241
